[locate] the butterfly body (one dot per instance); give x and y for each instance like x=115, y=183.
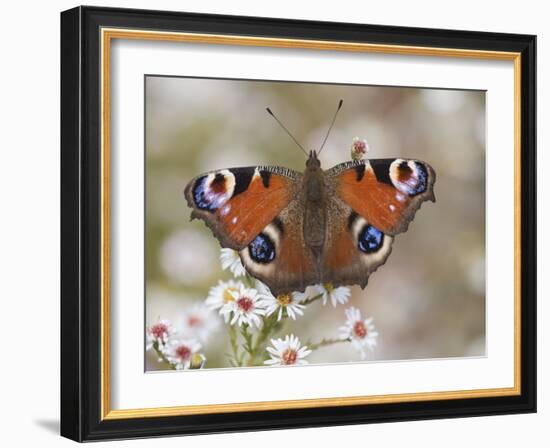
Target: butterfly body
x=296, y=229
x=315, y=197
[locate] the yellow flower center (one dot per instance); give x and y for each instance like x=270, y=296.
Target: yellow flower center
x=197, y=361
x=227, y=297
x=284, y=299
x=329, y=287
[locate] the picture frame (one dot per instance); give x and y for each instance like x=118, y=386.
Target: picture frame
x=87, y=35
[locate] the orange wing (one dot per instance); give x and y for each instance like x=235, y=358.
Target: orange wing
x=386, y=192
x=278, y=255
x=354, y=247
x=238, y=203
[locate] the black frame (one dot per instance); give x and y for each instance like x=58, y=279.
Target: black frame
x=80, y=223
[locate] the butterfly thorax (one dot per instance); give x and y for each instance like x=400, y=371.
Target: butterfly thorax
x=314, y=202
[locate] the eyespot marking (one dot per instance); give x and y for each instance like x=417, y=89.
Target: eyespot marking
x=199, y=195
x=409, y=176
x=422, y=175
x=213, y=190
x=262, y=249
x=404, y=171
x=370, y=239
x=218, y=184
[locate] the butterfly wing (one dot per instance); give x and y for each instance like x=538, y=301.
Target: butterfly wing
x=238, y=203
x=354, y=247
x=386, y=192
x=278, y=256
x=371, y=202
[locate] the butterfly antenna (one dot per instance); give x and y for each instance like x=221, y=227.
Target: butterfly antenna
x=286, y=130
x=331, y=124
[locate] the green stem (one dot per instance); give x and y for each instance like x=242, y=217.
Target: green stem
x=311, y=299
x=269, y=323
x=325, y=342
x=247, y=340
x=248, y=280
x=234, y=345
x=162, y=357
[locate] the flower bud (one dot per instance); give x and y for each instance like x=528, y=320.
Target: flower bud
x=197, y=361
x=359, y=147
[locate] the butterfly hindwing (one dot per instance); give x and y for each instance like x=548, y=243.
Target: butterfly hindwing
x=354, y=247
x=386, y=192
x=238, y=203
x=278, y=256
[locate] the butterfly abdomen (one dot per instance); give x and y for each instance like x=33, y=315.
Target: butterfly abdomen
x=315, y=219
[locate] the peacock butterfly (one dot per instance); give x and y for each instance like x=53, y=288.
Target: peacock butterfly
x=296, y=229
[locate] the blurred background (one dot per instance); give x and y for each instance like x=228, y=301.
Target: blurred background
x=428, y=300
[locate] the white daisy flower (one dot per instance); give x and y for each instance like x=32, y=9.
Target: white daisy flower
x=362, y=333
x=180, y=352
x=230, y=260
x=287, y=352
x=289, y=302
x=199, y=321
x=221, y=294
x=159, y=333
x=247, y=307
x=339, y=295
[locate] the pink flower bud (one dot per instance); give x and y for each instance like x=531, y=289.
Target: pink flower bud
x=359, y=147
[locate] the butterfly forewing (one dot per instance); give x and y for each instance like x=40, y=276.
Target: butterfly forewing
x=386, y=192
x=238, y=203
x=370, y=202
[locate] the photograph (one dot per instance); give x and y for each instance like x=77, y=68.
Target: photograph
x=296, y=223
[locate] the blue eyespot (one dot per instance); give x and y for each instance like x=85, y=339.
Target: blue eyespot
x=199, y=195
x=370, y=239
x=205, y=198
x=422, y=180
x=262, y=249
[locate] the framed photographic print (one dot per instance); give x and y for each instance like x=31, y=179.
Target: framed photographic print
x=274, y=224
